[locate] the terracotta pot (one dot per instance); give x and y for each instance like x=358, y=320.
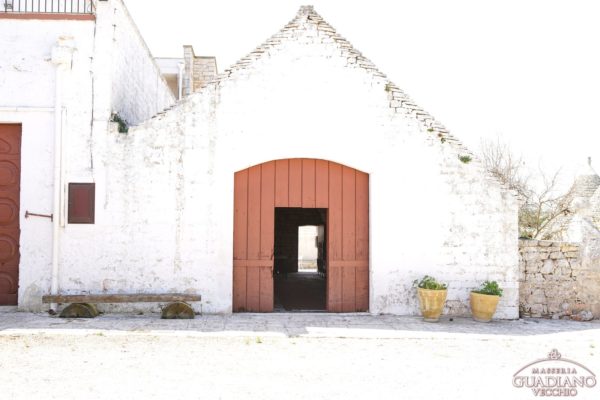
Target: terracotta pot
x=432, y=303
x=483, y=306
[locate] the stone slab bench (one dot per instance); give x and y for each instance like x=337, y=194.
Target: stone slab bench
x=82, y=305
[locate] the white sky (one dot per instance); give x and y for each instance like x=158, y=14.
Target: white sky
x=527, y=71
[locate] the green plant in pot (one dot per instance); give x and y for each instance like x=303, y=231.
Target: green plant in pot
x=432, y=296
x=485, y=300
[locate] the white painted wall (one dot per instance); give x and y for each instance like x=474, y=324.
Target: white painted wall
x=165, y=191
x=27, y=96
x=138, y=88
x=111, y=71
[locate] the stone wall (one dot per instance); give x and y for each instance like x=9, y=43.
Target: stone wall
x=558, y=279
x=199, y=70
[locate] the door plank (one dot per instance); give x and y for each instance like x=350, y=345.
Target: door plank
x=267, y=233
x=308, y=183
x=349, y=213
x=295, y=183
x=240, y=216
x=254, y=213
x=281, y=183
x=266, y=289
x=348, y=289
x=253, y=289
x=362, y=288
x=334, y=289
x=334, y=228
x=239, y=288
x=321, y=184
x=267, y=211
x=334, y=239
x=362, y=216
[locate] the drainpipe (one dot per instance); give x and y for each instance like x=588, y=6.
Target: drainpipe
x=62, y=56
x=180, y=80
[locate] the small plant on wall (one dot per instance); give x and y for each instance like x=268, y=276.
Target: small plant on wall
x=465, y=159
x=123, y=125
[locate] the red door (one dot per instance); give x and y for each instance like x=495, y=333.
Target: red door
x=10, y=183
x=305, y=183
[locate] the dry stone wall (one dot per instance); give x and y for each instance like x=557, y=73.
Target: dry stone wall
x=558, y=279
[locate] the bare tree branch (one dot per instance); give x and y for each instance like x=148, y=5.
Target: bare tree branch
x=505, y=166
x=541, y=208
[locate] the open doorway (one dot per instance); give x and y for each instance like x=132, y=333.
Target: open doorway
x=299, y=259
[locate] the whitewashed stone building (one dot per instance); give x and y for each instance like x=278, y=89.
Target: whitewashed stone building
x=63, y=73
x=196, y=198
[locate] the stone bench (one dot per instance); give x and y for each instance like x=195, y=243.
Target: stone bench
x=82, y=305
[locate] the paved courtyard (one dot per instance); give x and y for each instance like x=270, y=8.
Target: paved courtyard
x=280, y=356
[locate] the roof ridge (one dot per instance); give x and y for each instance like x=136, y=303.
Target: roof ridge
x=399, y=101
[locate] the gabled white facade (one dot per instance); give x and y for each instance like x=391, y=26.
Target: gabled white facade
x=164, y=190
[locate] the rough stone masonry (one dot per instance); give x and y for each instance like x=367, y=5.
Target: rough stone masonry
x=559, y=279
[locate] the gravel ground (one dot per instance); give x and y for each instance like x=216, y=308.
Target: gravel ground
x=284, y=356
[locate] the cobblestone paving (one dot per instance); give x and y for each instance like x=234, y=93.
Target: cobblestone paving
x=279, y=356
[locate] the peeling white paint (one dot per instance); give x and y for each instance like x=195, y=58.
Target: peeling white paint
x=164, y=215
x=97, y=83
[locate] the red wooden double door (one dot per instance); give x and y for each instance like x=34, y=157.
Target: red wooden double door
x=305, y=183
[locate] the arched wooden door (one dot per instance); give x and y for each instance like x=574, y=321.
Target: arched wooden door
x=305, y=183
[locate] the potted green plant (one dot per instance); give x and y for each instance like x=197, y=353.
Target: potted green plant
x=485, y=300
x=432, y=296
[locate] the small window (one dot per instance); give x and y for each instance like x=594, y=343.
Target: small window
x=82, y=199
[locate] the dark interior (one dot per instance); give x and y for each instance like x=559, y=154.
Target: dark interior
x=299, y=291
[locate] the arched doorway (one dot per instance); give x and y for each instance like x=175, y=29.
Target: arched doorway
x=342, y=192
